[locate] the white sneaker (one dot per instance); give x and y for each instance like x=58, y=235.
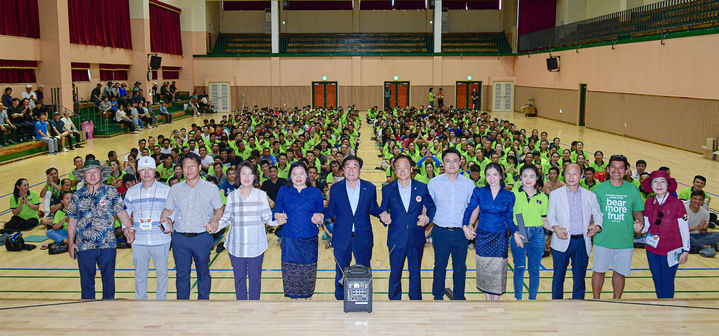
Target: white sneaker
x=64, y=150
x=149, y=127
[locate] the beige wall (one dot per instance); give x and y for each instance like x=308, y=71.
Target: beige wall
x=347, y=21
x=667, y=86
x=360, y=79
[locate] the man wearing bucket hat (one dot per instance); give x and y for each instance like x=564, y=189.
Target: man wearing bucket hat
x=667, y=241
x=91, y=237
x=145, y=202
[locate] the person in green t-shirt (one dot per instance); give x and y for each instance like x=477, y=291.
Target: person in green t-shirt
x=58, y=232
x=24, y=206
x=697, y=185
x=622, y=207
x=531, y=203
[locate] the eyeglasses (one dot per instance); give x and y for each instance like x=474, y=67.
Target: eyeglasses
x=660, y=215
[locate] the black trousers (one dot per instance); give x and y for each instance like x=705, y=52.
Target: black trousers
x=16, y=224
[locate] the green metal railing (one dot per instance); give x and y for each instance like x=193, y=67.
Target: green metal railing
x=658, y=18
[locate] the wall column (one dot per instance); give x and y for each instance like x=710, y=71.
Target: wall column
x=437, y=26
x=54, y=69
x=275, y=22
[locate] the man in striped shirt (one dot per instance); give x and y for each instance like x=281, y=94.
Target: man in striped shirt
x=145, y=202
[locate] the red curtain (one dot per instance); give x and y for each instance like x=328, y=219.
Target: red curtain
x=165, y=33
x=536, y=15
x=110, y=72
x=80, y=72
x=170, y=72
x=17, y=71
x=100, y=22
x=154, y=74
x=19, y=18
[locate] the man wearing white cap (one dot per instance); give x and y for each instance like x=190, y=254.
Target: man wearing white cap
x=29, y=95
x=145, y=202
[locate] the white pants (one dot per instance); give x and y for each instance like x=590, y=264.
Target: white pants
x=141, y=255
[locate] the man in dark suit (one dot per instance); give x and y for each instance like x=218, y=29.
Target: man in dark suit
x=351, y=203
x=411, y=209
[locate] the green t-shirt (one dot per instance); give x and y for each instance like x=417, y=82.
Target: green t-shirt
x=533, y=210
x=617, y=204
x=60, y=217
x=26, y=212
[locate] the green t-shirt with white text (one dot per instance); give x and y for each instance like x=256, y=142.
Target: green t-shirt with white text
x=617, y=205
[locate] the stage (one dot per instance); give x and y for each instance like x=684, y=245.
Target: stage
x=130, y=317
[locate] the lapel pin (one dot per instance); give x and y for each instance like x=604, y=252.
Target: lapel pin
x=418, y=198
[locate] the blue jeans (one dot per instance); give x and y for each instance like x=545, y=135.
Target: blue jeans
x=57, y=235
x=87, y=261
x=662, y=274
x=577, y=252
x=449, y=242
x=532, y=251
x=185, y=250
x=698, y=240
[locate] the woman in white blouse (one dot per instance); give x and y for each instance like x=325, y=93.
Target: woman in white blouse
x=246, y=213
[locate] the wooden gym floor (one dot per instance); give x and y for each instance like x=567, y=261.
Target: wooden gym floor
x=32, y=278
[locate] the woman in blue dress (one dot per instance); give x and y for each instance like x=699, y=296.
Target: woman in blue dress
x=493, y=204
x=298, y=208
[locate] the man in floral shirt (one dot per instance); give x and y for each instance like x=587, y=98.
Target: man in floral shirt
x=91, y=238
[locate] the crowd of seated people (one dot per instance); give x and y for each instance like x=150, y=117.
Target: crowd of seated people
x=423, y=134
x=29, y=117
x=270, y=139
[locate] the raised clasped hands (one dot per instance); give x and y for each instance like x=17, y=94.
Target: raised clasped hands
x=519, y=239
x=422, y=220
x=638, y=226
x=212, y=226
x=281, y=218
x=562, y=233
x=468, y=232
x=385, y=217
x=317, y=218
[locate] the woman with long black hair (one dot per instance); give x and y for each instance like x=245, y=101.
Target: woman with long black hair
x=24, y=205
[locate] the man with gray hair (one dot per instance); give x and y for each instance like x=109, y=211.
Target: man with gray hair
x=145, y=202
x=91, y=229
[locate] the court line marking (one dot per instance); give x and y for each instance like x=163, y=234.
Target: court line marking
x=654, y=304
x=332, y=293
x=328, y=270
x=45, y=305
x=318, y=278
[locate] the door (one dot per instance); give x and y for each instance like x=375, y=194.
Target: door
x=220, y=96
x=464, y=95
x=324, y=94
x=503, y=97
x=399, y=94
x=582, y=104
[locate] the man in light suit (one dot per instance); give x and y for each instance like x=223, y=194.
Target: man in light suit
x=351, y=203
x=411, y=208
x=575, y=217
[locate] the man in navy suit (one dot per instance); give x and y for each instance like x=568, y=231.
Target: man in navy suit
x=411, y=209
x=351, y=203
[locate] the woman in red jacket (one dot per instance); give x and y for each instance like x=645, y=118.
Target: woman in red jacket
x=667, y=242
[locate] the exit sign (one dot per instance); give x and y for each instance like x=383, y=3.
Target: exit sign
x=396, y=77
x=324, y=78
x=469, y=77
